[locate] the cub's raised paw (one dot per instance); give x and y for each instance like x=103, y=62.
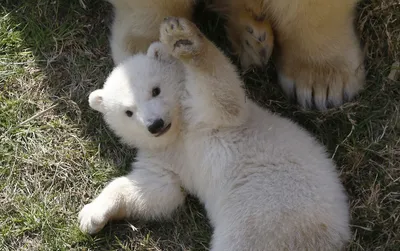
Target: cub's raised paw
x=92, y=218
x=252, y=38
x=181, y=36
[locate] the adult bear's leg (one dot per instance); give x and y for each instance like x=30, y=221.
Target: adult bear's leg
x=320, y=62
x=248, y=29
x=136, y=23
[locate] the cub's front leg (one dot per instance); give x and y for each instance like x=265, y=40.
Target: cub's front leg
x=217, y=98
x=146, y=193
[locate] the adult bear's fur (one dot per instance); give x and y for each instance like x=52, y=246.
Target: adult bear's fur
x=319, y=59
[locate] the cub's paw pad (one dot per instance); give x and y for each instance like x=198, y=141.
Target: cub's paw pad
x=91, y=219
x=181, y=36
x=171, y=24
x=183, y=42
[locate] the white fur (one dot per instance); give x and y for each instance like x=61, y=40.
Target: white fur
x=266, y=183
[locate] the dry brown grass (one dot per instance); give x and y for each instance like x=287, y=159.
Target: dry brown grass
x=53, y=53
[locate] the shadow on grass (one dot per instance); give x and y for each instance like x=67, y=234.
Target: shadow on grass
x=70, y=45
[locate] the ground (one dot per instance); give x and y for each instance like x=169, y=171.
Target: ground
x=56, y=154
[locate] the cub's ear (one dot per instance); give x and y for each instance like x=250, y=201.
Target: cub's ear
x=159, y=51
x=96, y=100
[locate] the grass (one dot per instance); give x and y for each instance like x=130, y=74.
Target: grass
x=56, y=154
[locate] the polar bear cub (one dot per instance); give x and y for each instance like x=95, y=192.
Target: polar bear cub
x=266, y=183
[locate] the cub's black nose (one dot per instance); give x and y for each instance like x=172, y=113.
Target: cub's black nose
x=156, y=126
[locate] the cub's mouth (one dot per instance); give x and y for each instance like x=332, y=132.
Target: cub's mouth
x=163, y=131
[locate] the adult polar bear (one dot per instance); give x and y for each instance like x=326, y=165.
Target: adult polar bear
x=266, y=184
x=319, y=59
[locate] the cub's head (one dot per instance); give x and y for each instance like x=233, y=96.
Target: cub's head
x=140, y=100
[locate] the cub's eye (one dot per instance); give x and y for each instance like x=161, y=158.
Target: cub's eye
x=129, y=113
x=155, y=92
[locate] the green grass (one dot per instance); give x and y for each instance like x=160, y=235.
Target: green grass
x=56, y=154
